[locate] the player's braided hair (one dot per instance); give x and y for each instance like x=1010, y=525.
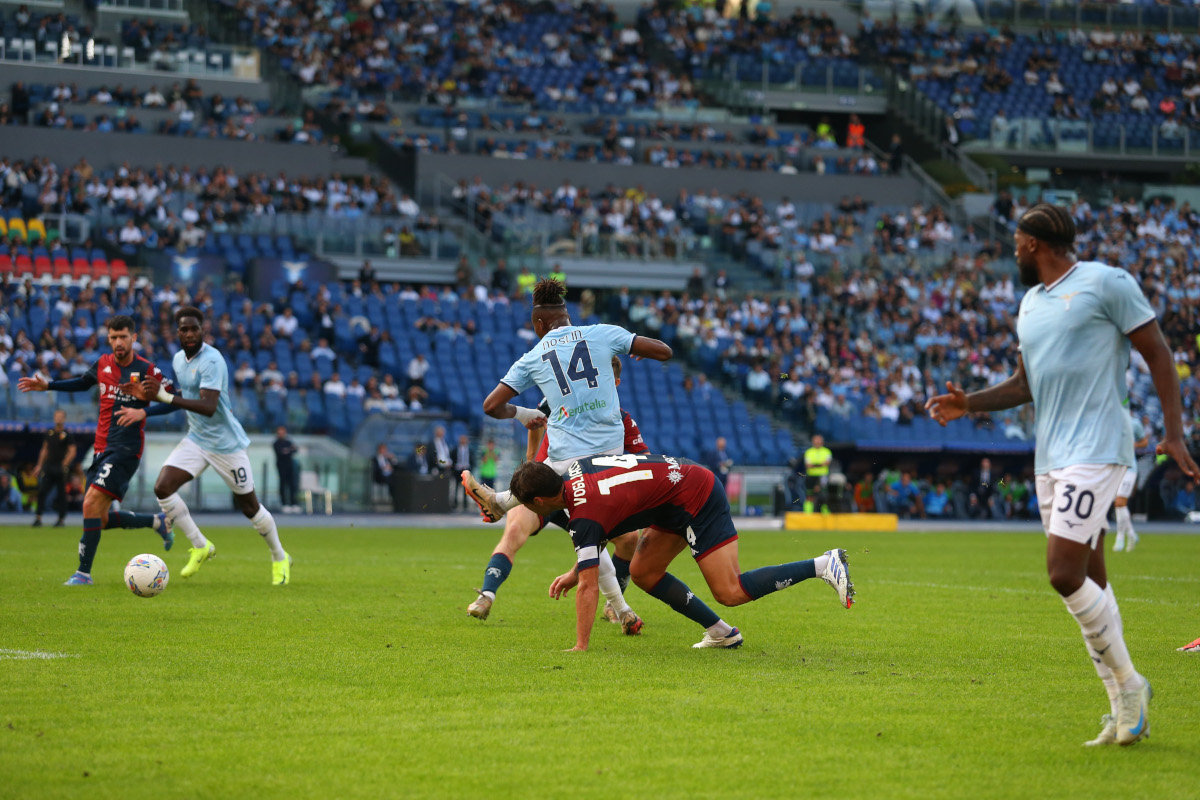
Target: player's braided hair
x=549, y=292
x=1051, y=224
x=535, y=479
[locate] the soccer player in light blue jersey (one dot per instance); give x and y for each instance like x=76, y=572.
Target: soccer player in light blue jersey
x=215, y=438
x=1075, y=327
x=1127, y=537
x=572, y=366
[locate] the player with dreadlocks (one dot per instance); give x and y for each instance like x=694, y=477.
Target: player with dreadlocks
x=572, y=367
x=1074, y=329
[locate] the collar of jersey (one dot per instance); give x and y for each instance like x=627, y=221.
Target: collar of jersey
x=187, y=360
x=1061, y=278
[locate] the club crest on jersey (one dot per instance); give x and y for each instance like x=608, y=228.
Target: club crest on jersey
x=674, y=476
x=1067, y=298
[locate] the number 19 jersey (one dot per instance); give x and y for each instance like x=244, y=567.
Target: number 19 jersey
x=572, y=367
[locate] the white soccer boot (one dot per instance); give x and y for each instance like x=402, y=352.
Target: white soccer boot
x=730, y=641
x=1108, y=734
x=837, y=575
x=1133, y=708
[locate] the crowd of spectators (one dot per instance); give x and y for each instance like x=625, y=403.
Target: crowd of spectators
x=633, y=221
x=551, y=54
x=985, y=81
x=704, y=37
x=179, y=207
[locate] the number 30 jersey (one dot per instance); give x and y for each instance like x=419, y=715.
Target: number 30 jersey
x=610, y=495
x=572, y=367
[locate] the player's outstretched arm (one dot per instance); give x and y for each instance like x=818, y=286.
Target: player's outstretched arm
x=1149, y=341
x=496, y=406
x=38, y=383
x=205, y=406
x=645, y=347
x=1013, y=391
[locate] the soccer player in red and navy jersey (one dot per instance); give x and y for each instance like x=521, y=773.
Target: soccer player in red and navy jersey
x=683, y=505
x=520, y=523
x=117, y=450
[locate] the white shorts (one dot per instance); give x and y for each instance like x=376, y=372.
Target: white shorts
x=561, y=466
x=1074, y=500
x=1128, y=483
x=234, y=468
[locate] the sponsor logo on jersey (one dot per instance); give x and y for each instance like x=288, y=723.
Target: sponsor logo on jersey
x=564, y=413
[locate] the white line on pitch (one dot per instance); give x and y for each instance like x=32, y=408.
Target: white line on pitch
x=23, y=655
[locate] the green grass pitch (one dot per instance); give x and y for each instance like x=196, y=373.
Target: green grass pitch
x=958, y=674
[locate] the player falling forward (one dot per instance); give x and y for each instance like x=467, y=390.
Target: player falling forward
x=572, y=367
x=215, y=438
x=118, y=449
x=1127, y=537
x=520, y=523
x=684, y=506
x=1074, y=328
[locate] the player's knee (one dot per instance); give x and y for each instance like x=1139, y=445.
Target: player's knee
x=163, y=489
x=730, y=595
x=1066, y=581
x=644, y=578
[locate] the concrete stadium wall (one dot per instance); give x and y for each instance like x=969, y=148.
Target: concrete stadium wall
x=805, y=187
x=105, y=150
x=88, y=77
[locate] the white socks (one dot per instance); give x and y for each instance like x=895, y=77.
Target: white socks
x=821, y=563
x=264, y=523
x=720, y=630
x=1124, y=521
x=181, y=519
x=506, y=500
x=1106, y=675
x=1100, y=622
x=609, y=586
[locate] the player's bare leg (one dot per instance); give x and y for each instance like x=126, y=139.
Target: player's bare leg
x=166, y=488
x=519, y=525
x=264, y=523
x=1073, y=568
x=655, y=551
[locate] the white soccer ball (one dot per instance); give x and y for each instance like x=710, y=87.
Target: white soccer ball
x=146, y=575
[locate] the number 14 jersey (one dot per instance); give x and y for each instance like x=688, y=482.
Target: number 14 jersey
x=610, y=495
x=572, y=367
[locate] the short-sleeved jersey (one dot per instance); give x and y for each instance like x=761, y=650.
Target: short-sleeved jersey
x=572, y=366
x=110, y=375
x=220, y=433
x=633, y=437
x=610, y=495
x=1074, y=338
